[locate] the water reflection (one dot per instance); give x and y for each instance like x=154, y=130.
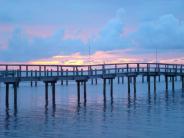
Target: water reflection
x=149, y=98
x=7, y=119
x=112, y=117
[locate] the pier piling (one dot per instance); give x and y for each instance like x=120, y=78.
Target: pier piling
x=134, y=84
x=7, y=95
x=46, y=93
x=53, y=92
x=104, y=89
x=78, y=91
x=111, y=89
x=15, y=94
x=84, y=91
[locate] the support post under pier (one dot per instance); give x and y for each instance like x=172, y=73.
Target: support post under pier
x=128, y=79
x=46, y=93
x=15, y=94
x=155, y=83
x=85, y=91
x=111, y=90
x=166, y=83
x=148, y=80
x=173, y=85
x=135, y=84
x=78, y=91
x=7, y=95
x=53, y=93
x=104, y=89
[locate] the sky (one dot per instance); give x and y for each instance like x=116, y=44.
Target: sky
x=91, y=31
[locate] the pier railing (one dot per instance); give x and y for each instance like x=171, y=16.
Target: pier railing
x=27, y=70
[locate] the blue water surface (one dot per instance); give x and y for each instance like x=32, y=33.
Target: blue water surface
x=154, y=114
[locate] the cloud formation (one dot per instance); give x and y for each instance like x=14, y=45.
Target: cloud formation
x=166, y=32
x=110, y=36
x=22, y=48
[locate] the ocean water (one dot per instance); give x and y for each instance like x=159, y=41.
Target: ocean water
x=143, y=114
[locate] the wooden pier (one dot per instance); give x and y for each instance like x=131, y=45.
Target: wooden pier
x=14, y=74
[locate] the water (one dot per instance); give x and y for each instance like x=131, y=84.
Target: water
x=140, y=115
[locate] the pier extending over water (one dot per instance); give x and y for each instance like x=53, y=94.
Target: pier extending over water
x=14, y=74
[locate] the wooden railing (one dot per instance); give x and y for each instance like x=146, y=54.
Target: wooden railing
x=28, y=70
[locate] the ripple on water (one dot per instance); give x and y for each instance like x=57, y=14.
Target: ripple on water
x=140, y=115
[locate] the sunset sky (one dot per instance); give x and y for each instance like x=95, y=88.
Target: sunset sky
x=66, y=31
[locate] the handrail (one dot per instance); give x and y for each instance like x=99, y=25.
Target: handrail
x=54, y=65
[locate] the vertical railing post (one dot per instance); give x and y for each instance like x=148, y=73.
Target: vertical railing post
x=20, y=71
x=165, y=68
x=103, y=69
x=180, y=68
x=51, y=72
x=91, y=70
x=115, y=68
x=158, y=68
x=31, y=73
x=57, y=70
x=148, y=67
x=45, y=71
x=77, y=71
x=61, y=71
x=6, y=69
x=40, y=71
x=176, y=68
x=88, y=71
x=35, y=73
x=127, y=67
x=173, y=68
x=138, y=67
x=81, y=72
x=26, y=70
x=66, y=76
x=74, y=71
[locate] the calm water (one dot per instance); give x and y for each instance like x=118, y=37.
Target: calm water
x=140, y=115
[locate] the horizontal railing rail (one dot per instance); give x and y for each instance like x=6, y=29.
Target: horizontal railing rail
x=29, y=70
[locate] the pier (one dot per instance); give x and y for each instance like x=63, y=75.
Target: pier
x=14, y=74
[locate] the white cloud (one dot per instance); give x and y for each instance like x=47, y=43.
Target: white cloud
x=23, y=48
x=110, y=36
x=165, y=33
